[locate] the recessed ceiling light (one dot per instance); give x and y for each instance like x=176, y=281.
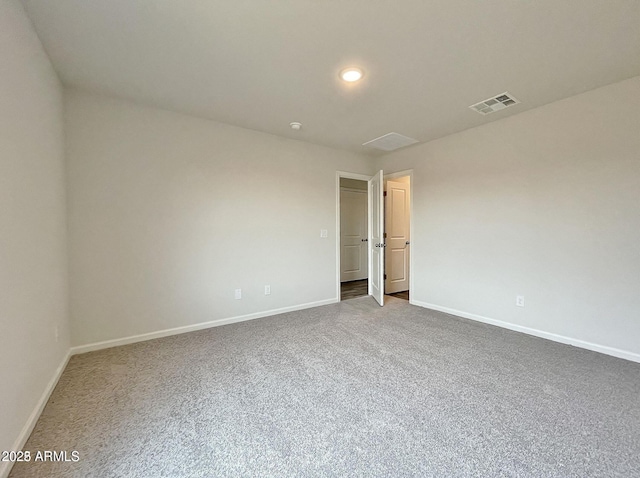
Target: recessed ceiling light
x=351, y=74
x=296, y=126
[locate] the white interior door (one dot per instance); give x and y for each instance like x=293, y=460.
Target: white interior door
x=397, y=240
x=376, y=239
x=353, y=235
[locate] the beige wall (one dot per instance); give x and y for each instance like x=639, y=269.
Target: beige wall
x=170, y=213
x=353, y=184
x=33, y=262
x=545, y=204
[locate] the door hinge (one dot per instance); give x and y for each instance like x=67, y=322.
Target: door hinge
x=385, y=193
x=385, y=235
x=385, y=277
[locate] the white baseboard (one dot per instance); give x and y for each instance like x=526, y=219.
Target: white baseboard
x=5, y=467
x=80, y=349
x=624, y=354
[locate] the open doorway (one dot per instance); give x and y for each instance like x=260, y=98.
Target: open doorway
x=397, y=227
x=374, y=242
x=354, y=253
x=350, y=246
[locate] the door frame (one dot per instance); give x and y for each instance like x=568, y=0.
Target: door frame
x=347, y=175
x=364, y=177
x=396, y=175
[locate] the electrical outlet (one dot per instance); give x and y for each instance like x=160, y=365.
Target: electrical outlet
x=267, y=290
x=238, y=294
x=520, y=301
x=323, y=233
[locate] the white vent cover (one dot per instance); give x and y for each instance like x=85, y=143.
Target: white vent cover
x=390, y=142
x=497, y=103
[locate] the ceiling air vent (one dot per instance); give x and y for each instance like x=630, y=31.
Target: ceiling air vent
x=390, y=142
x=496, y=103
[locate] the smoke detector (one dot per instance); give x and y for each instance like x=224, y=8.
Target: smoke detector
x=295, y=126
x=390, y=142
x=497, y=103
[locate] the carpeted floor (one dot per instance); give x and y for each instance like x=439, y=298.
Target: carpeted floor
x=349, y=389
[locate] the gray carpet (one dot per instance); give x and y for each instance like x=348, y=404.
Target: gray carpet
x=349, y=389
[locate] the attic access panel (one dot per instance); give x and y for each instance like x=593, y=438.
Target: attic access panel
x=390, y=142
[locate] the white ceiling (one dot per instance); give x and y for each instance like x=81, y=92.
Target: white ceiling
x=262, y=64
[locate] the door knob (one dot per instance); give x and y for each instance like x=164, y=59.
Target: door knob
x=364, y=240
x=407, y=243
